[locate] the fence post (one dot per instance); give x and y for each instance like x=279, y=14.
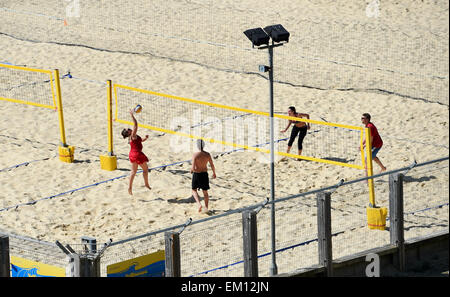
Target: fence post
x=73, y=266
x=89, y=263
x=173, y=259
x=4, y=256
x=90, y=244
x=324, y=231
x=249, y=226
x=396, y=217
x=89, y=266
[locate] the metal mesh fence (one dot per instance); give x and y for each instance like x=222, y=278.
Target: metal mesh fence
x=296, y=242
x=119, y=252
x=350, y=232
x=213, y=248
x=426, y=199
x=35, y=250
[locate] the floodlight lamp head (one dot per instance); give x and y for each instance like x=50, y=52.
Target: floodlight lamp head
x=257, y=36
x=278, y=33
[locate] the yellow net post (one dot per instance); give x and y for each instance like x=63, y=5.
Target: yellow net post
x=369, y=168
x=376, y=216
x=66, y=153
x=109, y=161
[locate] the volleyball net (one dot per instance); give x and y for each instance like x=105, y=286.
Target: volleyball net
x=27, y=86
x=36, y=87
x=231, y=128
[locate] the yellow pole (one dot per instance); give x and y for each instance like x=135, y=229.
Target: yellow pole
x=110, y=128
x=60, y=109
x=361, y=146
x=369, y=168
x=66, y=152
x=376, y=216
x=109, y=161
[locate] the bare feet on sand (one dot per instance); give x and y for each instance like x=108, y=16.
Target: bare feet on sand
x=130, y=190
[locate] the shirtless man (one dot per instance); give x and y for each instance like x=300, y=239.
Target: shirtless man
x=300, y=128
x=200, y=179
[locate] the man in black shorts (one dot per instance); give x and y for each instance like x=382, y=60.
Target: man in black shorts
x=199, y=170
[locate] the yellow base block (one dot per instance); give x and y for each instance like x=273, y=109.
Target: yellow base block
x=108, y=162
x=66, y=153
x=376, y=218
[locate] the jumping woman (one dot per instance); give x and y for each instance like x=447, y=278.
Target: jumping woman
x=137, y=157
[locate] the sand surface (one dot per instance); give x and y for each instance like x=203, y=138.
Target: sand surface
x=413, y=126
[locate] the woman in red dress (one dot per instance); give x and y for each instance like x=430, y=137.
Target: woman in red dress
x=137, y=157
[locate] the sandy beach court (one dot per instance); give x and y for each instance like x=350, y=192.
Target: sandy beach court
x=411, y=128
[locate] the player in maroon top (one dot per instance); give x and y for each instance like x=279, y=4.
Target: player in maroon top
x=375, y=139
x=137, y=157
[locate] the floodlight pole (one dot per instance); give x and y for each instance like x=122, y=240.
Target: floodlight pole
x=257, y=36
x=273, y=266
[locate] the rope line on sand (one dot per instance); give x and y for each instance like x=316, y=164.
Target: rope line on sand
x=370, y=90
x=22, y=164
x=210, y=43
x=206, y=42
x=79, y=189
x=69, y=75
x=112, y=179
